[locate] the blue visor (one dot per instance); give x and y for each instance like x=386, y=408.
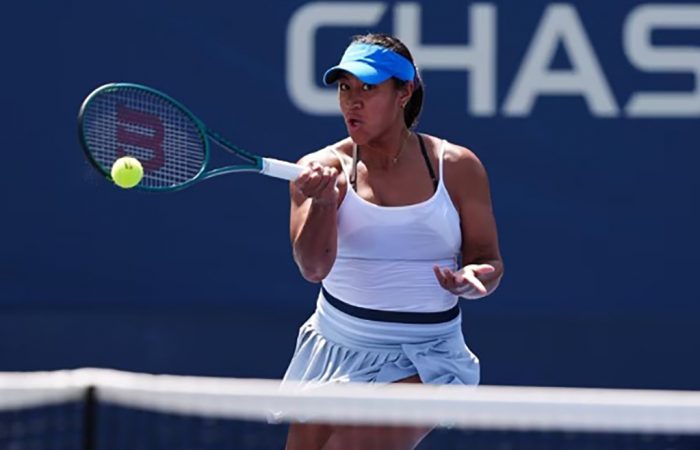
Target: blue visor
x=372, y=64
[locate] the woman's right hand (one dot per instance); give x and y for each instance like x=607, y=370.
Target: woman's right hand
x=319, y=183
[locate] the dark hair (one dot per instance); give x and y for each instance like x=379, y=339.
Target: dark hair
x=415, y=104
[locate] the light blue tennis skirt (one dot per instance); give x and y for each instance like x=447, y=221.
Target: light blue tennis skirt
x=335, y=347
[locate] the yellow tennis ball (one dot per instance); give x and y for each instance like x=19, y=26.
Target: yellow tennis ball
x=127, y=172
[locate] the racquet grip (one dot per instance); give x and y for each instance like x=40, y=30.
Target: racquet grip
x=280, y=169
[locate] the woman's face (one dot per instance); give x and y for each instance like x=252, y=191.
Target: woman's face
x=370, y=110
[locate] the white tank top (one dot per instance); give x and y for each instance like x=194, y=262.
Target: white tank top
x=386, y=254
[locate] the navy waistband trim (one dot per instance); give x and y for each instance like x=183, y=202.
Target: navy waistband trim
x=391, y=316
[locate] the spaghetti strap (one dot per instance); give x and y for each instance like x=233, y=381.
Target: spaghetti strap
x=352, y=179
x=424, y=151
x=441, y=158
x=340, y=159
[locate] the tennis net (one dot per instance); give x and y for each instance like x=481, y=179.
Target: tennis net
x=100, y=409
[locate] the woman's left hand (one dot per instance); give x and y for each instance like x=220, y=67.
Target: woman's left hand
x=464, y=282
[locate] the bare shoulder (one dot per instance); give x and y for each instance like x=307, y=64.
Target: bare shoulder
x=329, y=155
x=458, y=161
x=453, y=153
x=464, y=174
x=463, y=164
x=460, y=158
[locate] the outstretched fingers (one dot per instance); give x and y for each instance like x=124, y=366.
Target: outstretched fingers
x=463, y=281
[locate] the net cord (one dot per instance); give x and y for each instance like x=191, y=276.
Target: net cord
x=484, y=407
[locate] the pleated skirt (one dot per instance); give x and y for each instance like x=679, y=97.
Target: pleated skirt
x=335, y=347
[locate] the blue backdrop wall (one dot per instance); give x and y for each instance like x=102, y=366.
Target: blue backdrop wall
x=585, y=115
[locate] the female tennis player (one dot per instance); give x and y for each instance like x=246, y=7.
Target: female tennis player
x=396, y=226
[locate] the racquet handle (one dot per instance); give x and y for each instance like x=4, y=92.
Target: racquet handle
x=280, y=169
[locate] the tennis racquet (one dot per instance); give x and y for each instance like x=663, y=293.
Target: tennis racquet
x=172, y=144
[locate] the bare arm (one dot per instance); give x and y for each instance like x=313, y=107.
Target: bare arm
x=314, y=203
x=481, y=258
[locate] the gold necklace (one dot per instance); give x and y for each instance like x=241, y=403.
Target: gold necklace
x=403, y=145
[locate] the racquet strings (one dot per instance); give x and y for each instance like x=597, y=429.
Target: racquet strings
x=136, y=122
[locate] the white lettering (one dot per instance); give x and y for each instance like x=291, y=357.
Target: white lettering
x=560, y=23
x=479, y=58
x=637, y=42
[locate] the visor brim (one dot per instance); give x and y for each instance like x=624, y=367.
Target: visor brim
x=363, y=71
